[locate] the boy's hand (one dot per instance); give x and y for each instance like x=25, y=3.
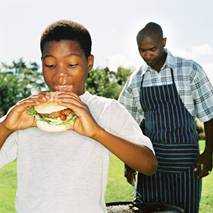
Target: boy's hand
x=85, y=123
x=18, y=118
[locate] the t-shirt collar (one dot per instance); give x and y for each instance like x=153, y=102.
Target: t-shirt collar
x=85, y=96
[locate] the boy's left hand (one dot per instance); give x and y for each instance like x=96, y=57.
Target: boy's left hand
x=85, y=123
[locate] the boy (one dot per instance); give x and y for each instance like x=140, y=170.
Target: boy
x=67, y=171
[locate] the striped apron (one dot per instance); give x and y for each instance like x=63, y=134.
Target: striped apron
x=172, y=131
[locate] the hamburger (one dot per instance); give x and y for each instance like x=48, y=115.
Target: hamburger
x=53, y=117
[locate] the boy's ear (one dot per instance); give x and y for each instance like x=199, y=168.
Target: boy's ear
x=90, y=62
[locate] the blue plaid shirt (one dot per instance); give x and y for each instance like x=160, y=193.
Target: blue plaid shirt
x=193, y=86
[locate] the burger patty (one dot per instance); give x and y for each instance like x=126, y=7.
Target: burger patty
x=63, y=114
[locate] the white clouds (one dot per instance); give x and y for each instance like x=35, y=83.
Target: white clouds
x=209, y=71
x=114, y=61
x=203, y=50
x=203, y=54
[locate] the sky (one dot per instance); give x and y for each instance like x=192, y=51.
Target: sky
x=113, y=25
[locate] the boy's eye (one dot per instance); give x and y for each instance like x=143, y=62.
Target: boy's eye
x=50, y=65
x=72, y=65
x=153, y=49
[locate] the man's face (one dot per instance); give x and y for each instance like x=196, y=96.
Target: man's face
x=65, y=66
x=151, y=50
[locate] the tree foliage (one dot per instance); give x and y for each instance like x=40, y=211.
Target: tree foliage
x=17, y=81
x=106, y=83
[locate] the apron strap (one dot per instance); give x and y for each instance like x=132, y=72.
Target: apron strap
x=142, y=79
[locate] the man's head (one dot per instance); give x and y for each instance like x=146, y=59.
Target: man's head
x=66, y=56
x=151, y=44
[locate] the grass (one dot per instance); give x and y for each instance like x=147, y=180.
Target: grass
x=117, y=189
x=7, y=188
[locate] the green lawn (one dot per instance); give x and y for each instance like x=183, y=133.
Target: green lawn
x=117, y=189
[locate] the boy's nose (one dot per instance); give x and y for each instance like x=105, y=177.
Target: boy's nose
x=62, y=78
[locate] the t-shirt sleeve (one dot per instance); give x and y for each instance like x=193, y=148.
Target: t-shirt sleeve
x=122, y=124
x=202, y=92
x=8, y=152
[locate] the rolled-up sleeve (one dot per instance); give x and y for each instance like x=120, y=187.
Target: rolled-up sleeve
x=202, y=92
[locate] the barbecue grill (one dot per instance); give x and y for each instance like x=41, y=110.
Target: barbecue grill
x=132, y=207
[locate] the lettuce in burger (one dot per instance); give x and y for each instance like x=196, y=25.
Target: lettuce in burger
x=52, y=117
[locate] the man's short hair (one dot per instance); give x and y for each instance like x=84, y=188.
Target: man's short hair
x=152, y=30
x=67, y=30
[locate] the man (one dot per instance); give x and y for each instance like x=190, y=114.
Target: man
x=167, y=94
x=67, y=171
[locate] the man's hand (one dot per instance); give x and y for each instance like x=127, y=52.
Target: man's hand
x=85, y=123
x=130, y=175
x=204, y=164
x=18, y=118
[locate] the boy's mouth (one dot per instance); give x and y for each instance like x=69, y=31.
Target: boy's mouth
x=63, y=88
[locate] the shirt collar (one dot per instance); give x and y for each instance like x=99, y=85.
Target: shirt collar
x=85, y=96
x=170, y=60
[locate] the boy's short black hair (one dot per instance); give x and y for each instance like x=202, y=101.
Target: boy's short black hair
x=152, y=30
x=67, y=30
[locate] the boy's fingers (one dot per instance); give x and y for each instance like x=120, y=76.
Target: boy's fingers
x=69, y=93
x=27, y=99
x=68, y=96
x=34, y=97
x=78, y=109
x=70, y=105
x=64, y=95
x=44, y=96
x=22, y=106
x=71, y=100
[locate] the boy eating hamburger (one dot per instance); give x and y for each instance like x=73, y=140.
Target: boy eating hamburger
x=66, y=171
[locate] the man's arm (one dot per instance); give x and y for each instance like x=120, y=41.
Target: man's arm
x=209, y=146
x=204, y=162
x=209, y=136
x=202, y=93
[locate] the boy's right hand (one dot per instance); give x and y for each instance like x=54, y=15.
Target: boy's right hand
x=18, y=118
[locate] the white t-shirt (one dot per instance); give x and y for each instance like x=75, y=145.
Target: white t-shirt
x=66, y=172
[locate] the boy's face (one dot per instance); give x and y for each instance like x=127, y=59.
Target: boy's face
x=65, y=66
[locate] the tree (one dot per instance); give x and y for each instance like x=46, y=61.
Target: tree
x=18, y=81
x=104, y=82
